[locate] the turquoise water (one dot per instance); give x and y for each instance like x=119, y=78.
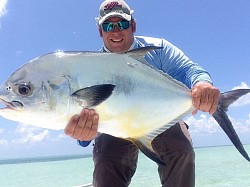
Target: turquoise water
x=215, y=167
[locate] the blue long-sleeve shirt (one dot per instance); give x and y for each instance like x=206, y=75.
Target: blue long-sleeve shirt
x=170, y=60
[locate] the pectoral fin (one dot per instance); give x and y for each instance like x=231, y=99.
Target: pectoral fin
x=93, y=95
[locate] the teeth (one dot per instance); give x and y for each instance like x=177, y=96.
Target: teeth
x=117, y=40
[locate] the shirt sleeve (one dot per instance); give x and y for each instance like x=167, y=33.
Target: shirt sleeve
x=83, y=143
x=179, y=66
x=175, y=63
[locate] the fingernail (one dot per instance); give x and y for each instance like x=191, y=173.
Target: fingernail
x=76, y=117
x=92, y=112
x=96, y=117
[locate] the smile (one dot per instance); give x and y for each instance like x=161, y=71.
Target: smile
x=116, y=40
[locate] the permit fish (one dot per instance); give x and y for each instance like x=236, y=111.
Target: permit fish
x=134, y=100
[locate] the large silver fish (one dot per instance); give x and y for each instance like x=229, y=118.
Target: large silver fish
x=134, y=100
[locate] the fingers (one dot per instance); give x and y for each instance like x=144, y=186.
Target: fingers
x=70, y=128
x=89, y=122
x=205, y=97
x=214, y=102
x=196, y=97
x=194, y=112
x=83, y=127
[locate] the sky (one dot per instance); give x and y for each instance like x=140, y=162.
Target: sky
x=213, y=33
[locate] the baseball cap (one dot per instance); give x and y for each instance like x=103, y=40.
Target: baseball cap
x=112, y=8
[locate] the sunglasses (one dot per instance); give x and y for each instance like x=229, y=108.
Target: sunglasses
x=109, y=26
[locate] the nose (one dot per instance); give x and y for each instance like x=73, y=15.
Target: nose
x=116, y=29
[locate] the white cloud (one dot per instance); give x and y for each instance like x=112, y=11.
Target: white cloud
x=27, y=135
x=203, y=124
x=30, y=135
x=244, y=100
x=3, y=142
x=3, y=10
x=59, y=137
x=3, y=4
x=248, y=120
x=242, y=85
x=1, y=131
x=206, y=124
x=242, y=126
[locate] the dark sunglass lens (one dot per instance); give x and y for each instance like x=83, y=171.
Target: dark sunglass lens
x=110, y=26
x=107, y=27
x=123, y=25
x=104, y=26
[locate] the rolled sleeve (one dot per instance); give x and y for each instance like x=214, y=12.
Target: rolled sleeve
x=83, y=143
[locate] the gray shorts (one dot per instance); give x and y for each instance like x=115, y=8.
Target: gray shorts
x=115, y=159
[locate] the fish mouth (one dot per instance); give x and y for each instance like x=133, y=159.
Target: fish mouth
x=13, y=105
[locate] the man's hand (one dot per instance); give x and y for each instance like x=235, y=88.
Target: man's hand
x=205, y=97
x=84, y=126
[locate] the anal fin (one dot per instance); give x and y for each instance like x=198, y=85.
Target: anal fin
x=145, y=146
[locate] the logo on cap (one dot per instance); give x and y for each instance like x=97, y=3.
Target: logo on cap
x=112, y=5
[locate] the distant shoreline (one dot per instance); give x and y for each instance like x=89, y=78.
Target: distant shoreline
x=211, y=146
x=69, y=157
x=43, y=159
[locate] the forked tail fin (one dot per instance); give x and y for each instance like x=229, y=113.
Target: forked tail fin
x=226, y=99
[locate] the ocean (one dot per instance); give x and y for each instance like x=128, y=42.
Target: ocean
x=215, y=167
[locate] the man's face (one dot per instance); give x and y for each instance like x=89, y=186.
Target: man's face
x=118, y=40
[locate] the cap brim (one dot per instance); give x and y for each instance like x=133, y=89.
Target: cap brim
x=114, y=14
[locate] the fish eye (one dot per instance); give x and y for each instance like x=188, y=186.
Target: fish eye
x=23, y=89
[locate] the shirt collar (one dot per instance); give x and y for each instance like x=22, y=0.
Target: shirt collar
x=133, y=46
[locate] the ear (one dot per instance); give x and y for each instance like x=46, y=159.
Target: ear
x=133, y=26
x=100, y=31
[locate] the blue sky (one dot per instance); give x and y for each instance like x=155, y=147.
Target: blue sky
x=213, y=33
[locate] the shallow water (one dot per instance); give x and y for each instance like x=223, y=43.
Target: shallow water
x=215, y=167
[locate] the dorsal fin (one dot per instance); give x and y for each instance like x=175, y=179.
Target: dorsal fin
x=139, y=53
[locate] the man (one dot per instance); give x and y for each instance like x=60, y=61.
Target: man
x=116, y=159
